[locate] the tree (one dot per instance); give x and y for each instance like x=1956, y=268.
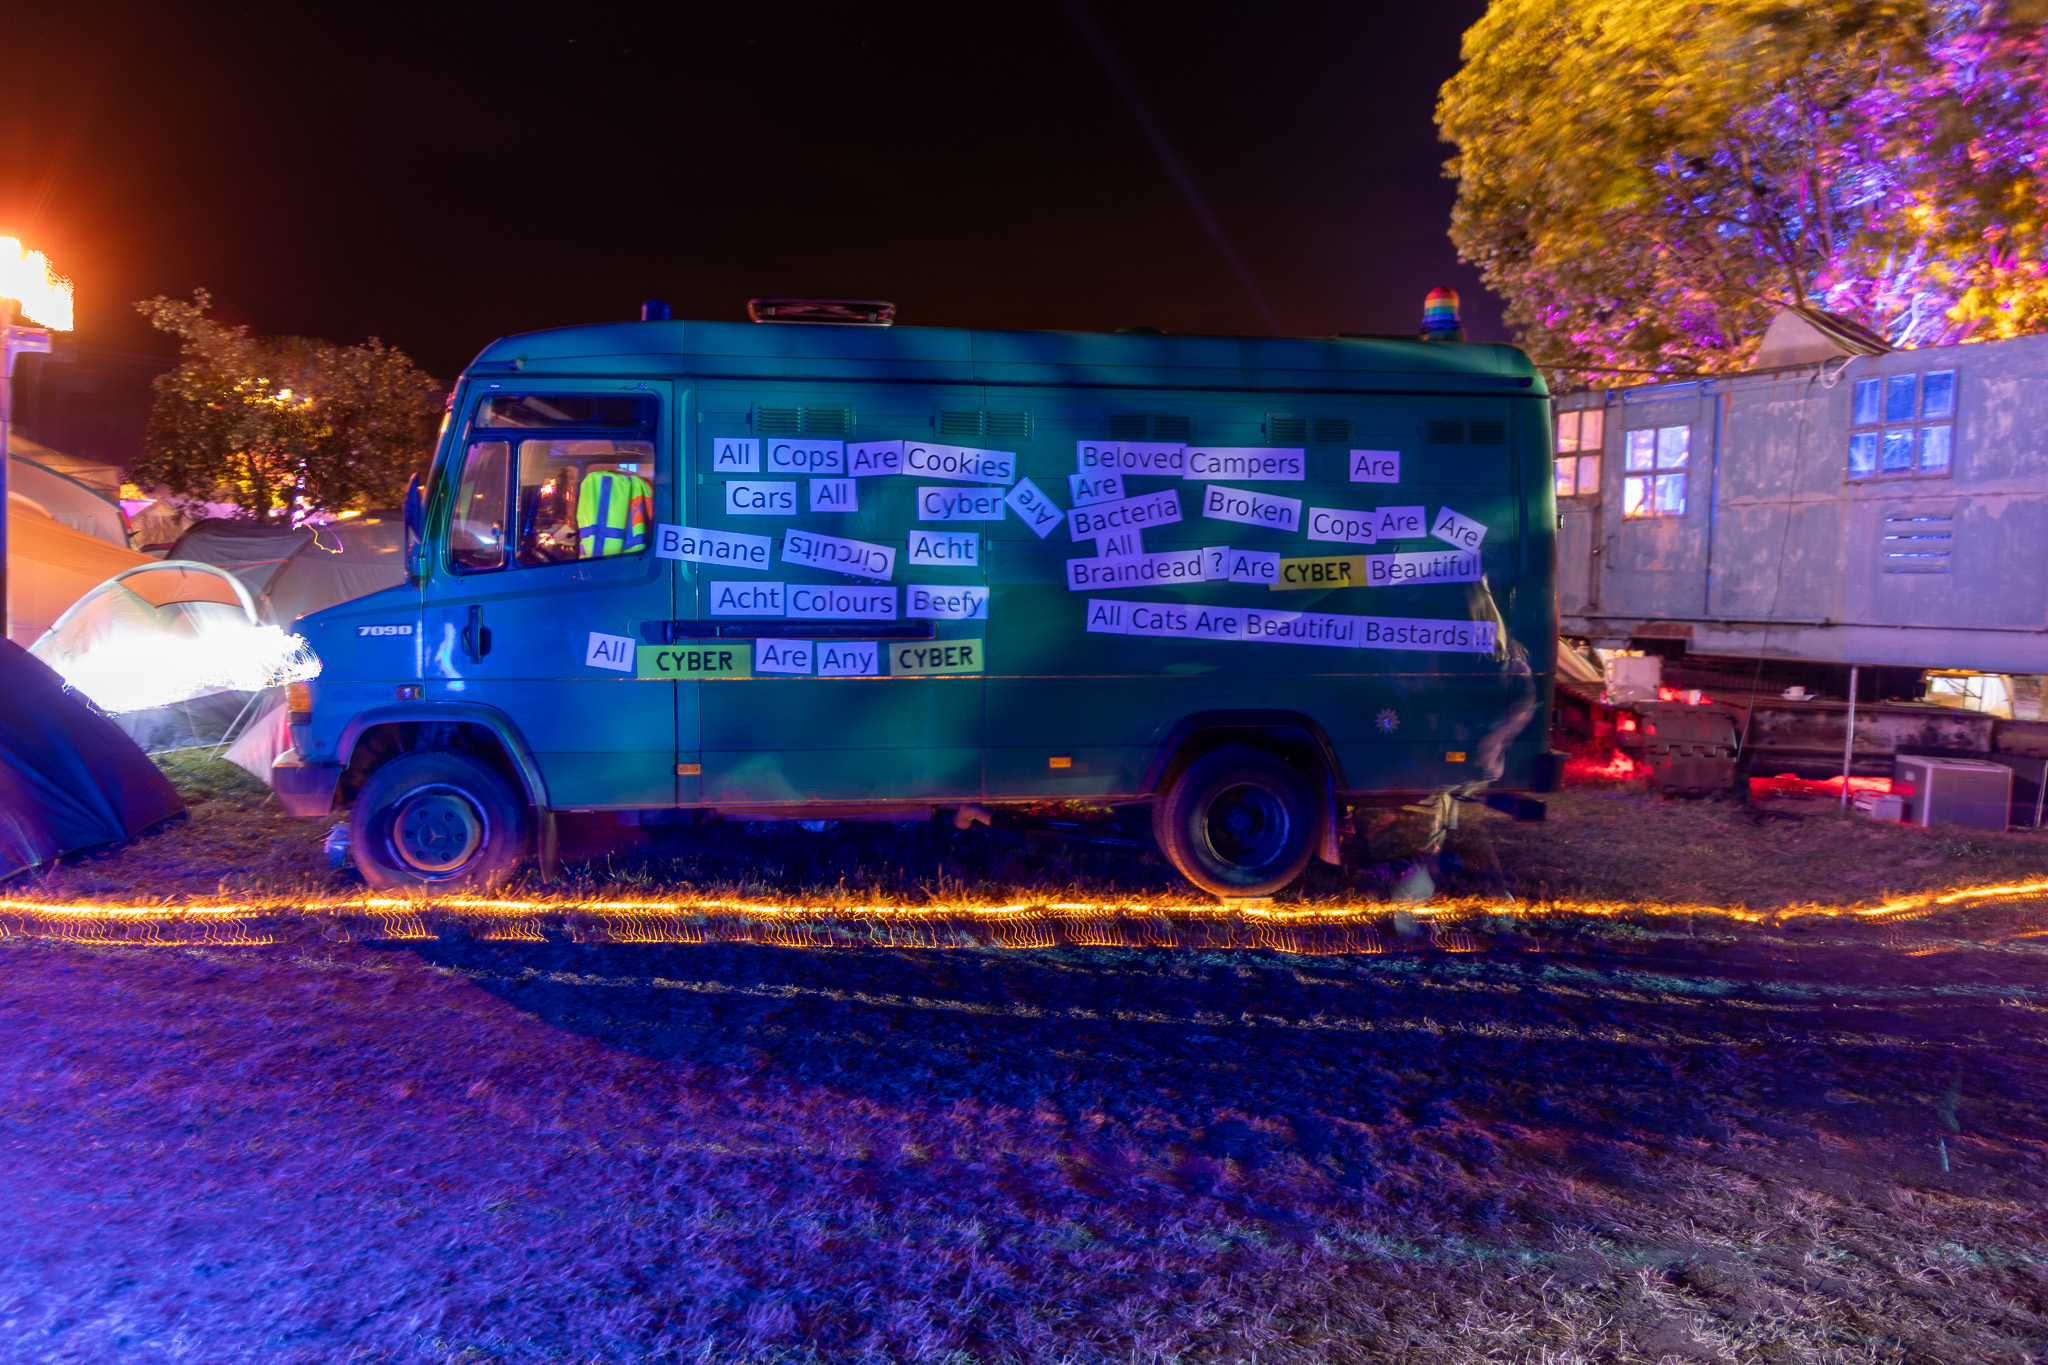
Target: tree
x=1648, y=183
x=283, y=424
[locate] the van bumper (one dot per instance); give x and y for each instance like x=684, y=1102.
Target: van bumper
x=304, y=788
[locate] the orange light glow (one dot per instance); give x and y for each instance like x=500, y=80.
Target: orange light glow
x=1785, y=784
x=1690, y=696
x=26, y=277
x=1619, y=767
x=1312, y=929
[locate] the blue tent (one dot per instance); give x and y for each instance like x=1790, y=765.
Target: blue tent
x=70, y=780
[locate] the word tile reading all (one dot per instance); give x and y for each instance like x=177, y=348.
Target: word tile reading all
x=1137, y=571
x=759, y=498
x=782, y=656
x=865, y=459
x=1122, y=545
x=1457, y=528
x=734, y=548
x=740, y=598
x=1380, y=571
x=1246, y=462
x=851, y=659
x=1174, y=621
x=736, y=455
x=1034, y=508
x=860, y=557
x=806, y=457
x=934, y=658
x=1127, y=514
x=1399, y=523
x=1375, y=466
x=1251, y=509
x=817, y=602
x=1083, y=489
x=961, y=504
x=967, y=464
x=835, y=495
x=1337, y=523
x=610, y=651
x=695, y=663
x=1144, y=457
x=934, y=602
x=945, y=547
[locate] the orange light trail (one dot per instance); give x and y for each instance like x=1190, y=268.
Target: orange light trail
x=1314, y=929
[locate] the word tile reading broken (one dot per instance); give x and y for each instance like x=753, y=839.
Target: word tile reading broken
x=1250, y=508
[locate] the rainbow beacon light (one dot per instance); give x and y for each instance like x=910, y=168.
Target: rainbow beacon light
x=1440, y=316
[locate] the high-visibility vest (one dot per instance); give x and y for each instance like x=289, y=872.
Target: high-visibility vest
x=614, y=513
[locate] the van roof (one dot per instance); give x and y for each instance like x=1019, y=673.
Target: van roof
x=747, y=350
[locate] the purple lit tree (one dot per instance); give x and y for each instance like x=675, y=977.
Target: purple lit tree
x=1648, y=183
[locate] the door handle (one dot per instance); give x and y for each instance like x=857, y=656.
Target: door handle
x=476, y=636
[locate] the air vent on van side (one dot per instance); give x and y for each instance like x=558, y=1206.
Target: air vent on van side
x=833, y=421
x=1446, y=432
x=1916, y=544
x=1155, y=426
x=1333, y=428
x=1487, y=432
x=1286, y=431
x=971, y=424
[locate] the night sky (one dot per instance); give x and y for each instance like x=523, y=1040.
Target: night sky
x=441, y=175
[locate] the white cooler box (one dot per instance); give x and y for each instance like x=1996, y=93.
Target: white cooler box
x=1953, y=791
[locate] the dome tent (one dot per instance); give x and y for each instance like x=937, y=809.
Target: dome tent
x=291, y=571
x=70, y=780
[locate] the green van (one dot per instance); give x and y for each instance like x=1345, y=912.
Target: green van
x=803, y=570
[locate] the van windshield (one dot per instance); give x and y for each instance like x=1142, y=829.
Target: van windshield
x=584, y=498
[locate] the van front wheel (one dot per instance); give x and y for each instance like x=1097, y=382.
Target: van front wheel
x=1238, y=822
x=440, y=818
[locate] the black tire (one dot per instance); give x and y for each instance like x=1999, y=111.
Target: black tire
x=438, y=817
x=1238, y=822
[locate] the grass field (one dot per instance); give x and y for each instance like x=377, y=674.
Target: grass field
x=1639, y=1139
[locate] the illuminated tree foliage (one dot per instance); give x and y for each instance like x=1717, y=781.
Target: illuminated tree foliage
x=1648, y=181
x=281, y=425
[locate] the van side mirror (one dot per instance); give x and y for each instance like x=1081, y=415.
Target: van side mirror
x=415, y=532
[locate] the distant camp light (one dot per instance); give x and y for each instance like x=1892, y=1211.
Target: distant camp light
x=1440, y=316
x=43, y=294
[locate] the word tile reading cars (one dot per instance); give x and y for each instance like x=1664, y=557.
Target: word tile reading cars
x=945, y=547
x=817, y=602
x=1143, y=457
x=860, y=557
x=1083, y=489
x=835, y=495
x=1033, y=508
x=1375, y=466
x=934, y=658
x=934, y=602
x=759, y=498
x=1246, y=462
x=610, y=651
x=1337, y=523
x=1172, y=566
x=736, y=455
x=1457, y=528
x=848, y=659
x=740, y=598
x=1251, y=509
x=1127, y=514
x=1173, y=620
x=696, y=663
x=968, y=464
x=782, y=656
x=961, y=504
x=734, y=548
x=806, y=457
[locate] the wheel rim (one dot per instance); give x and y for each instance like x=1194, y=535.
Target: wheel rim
x=436, y=830
x=1246, y=826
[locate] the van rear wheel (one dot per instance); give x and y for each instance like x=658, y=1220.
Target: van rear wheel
x=1238, y=822
x=440, y=818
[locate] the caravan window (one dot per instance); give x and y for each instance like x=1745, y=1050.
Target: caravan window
x=1902, y=425
x=1656, y=460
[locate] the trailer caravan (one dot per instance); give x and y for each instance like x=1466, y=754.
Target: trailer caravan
x=821, y=570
